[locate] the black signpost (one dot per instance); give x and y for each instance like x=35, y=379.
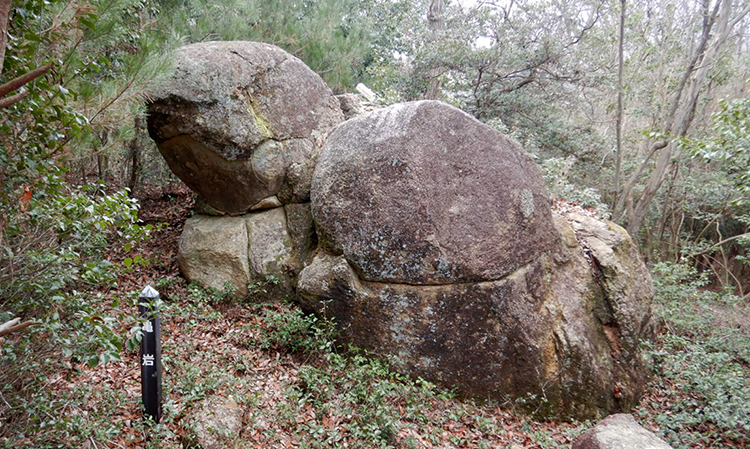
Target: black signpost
x=150, y=354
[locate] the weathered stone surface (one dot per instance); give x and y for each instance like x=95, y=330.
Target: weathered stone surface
x=270, y=252
x=213, y=251
x=439, y=252
x=626, y=313
x=215, y=423
x=622, y=272
x=258, y=249
x=301, y=158
x=203, y=208
x=301, y=229
x=435, y=244
x=422, y=193
x=267, y=203
x=530, y=336
x=473, y=335
x=353, y=105
x=587, y=331
x=237, y=116
x=619, y=431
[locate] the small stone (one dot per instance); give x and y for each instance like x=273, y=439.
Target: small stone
x=619, y=431
x=267, y=203
x=214, y=423
x=353, y=105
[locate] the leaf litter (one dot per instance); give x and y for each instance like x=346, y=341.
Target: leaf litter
x=210, y=347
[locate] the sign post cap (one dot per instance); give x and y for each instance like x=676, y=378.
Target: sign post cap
x=149, y=293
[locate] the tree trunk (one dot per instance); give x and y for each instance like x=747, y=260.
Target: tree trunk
x=624, y=204
x=679, y=128
x=135, y=155
x=618, y=149
x=436, y=25
x=102, y=165
x=4, y=17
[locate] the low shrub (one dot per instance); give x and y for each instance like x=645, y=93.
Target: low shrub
x=53, y=269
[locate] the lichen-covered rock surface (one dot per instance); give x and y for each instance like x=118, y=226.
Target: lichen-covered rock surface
x=439, y=252
x=353, y=105
x=242, y=121
x=213, y=250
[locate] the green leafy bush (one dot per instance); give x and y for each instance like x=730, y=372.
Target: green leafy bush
x=359, y=392
x=356, y=387
x=55, y=237
x=730, y=143
x=52, y=262
x=203, y=294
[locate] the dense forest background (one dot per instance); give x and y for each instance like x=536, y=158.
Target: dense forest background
x=636, y=108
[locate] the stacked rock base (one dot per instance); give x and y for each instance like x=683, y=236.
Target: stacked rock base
x=259, y=253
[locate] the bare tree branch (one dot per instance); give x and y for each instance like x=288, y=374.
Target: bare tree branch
x=24, y=79
x=11, y=326
x=436, y=24
x=717, y=245
x=10, y=101
x=588, y=26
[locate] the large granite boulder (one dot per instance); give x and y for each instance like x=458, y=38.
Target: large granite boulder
x=421, y=193
x=429, y=236
x=239, y=122
x=438, y=250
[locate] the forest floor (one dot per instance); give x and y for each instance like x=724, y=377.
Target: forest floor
x=297, y=389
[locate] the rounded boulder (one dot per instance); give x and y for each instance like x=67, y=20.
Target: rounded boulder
x=239, y=122
x=422, y=193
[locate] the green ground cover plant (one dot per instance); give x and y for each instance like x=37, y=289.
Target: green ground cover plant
x=700, y=395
